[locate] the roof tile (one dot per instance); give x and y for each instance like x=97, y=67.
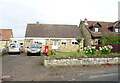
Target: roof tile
x=5, y=34
x=52, y=31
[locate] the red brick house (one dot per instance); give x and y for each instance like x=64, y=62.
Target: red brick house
x=5, y=35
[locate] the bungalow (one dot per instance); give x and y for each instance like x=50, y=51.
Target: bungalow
x=5, y=35
x=19, y=40
x=93, y=30
x=60, y=37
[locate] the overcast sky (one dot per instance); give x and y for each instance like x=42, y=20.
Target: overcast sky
x=15, y=14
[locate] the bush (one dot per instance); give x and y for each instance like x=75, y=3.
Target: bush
x=109, y=38
x=106, y=49
x=89, y=50
x=52, y=52
x=79, y=39
x=78, y=50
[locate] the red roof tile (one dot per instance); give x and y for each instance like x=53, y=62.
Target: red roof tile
x=5, y=34
x=102, y=29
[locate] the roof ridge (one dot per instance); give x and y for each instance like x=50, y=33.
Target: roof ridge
x=101, y=21
x=51, y=24
x=5, y=29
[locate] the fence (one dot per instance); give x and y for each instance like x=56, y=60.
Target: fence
x=116, y=47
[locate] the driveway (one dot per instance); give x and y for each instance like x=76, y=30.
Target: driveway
x=30, y=68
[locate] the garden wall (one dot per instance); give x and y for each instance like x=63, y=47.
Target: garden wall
x=61, y=61
x=116, y=47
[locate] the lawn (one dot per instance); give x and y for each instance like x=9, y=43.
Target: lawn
x=69, y=53
x=79, y=54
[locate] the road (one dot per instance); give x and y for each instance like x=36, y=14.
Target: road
x=30, y=68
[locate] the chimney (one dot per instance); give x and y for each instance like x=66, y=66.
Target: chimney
x=85, y=21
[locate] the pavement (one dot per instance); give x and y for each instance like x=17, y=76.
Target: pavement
x=30, y=68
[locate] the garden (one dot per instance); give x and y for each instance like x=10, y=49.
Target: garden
x=110, y=44
x=107, y=53
x=89, y=51
x=89, y=56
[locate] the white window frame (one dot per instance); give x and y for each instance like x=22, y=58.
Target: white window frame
x=41, y=40
x=74, y=42
x=15, y=41
x=64, y=41
x=20, y=42
x=96, y=29
x=116, y=30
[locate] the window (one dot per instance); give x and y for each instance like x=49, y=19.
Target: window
x=15, y=41
x=40, y=42
x=21, y=44
x=64, y=42
x=96, y=29
x=116, y=30
x=74, y=42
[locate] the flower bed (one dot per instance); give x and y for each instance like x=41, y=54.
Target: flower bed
x=90, y=56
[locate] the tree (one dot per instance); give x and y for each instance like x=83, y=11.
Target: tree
x=109, y=38
x=78, y=39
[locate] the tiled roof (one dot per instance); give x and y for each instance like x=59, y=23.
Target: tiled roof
x=5, y=34
x=52, y=31
x=103, y=29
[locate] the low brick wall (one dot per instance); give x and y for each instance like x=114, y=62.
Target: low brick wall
x=52, y=61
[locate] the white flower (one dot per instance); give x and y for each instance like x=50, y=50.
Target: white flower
x=85, y=48
x=88, y=46
x=90, y=50
x=93, y=47
x=100, y=48
x=111, y=47
x=106, y=48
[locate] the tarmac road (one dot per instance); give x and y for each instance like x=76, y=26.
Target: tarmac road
x=30, y=68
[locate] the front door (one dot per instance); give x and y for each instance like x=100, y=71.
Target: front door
x=55, y=44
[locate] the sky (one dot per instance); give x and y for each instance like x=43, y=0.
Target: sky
x=16, y=14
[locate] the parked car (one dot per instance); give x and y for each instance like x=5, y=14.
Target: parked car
x=14, y=48
x=33, y=49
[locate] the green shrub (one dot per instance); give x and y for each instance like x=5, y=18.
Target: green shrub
x=78, y=39
x=110, y=37
x=78, y=50
x=52, y=52
x=106, y=49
